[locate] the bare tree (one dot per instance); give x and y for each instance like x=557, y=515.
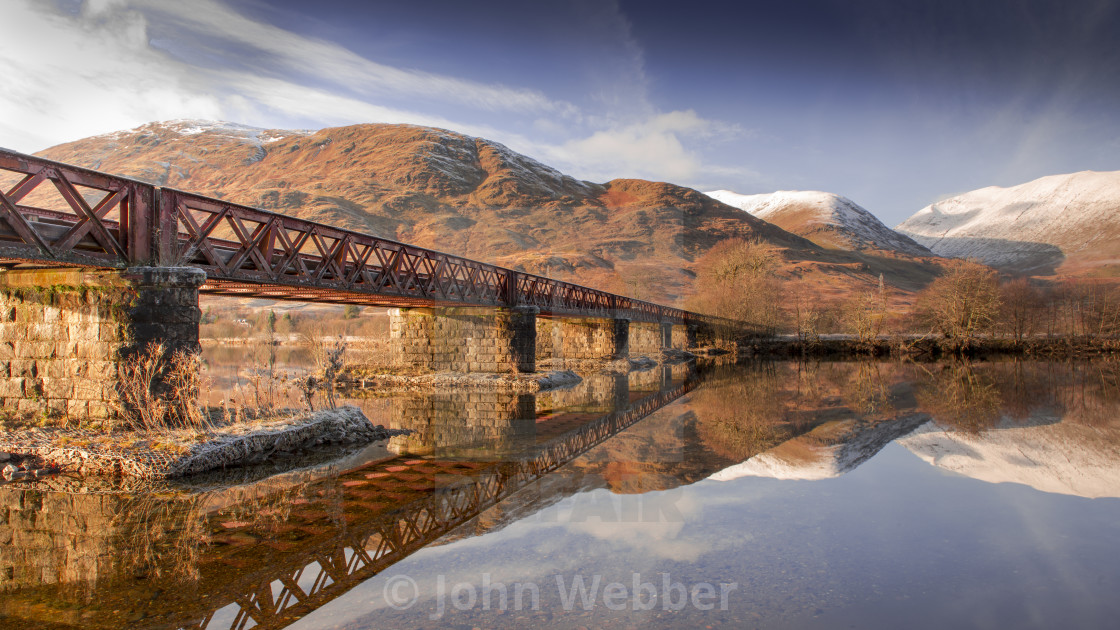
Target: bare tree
x=1020, y=306
x=963, y=302
x=738, y=279
x=864, y=313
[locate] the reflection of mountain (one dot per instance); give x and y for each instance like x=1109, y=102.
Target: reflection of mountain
x=1065, y=458
x=804, y=458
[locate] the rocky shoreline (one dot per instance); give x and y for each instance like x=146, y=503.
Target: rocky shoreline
x=521, y=383
x=170, y=456
x=553, y=374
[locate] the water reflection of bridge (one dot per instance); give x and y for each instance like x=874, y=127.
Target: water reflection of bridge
x=275, y=560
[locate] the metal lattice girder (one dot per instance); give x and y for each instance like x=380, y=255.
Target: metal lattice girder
x=248, y=251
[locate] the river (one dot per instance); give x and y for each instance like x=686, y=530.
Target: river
x=768, y=495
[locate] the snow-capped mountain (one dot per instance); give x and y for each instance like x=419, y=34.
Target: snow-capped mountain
x=465, y=195
x=827, y=219
x=1068, y=221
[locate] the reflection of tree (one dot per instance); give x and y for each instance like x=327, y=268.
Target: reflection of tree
x=867, y=391
x=1024, y=388
x=960, y=397
x=1093, y=395
x=754, y=408
x=742, y=415
x=153, y=537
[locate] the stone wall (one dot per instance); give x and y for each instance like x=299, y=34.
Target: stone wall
x=582, y=339
x=64, y=331
x=548, y=338
x=495, y=340
x=645, y=339
x=683, y=337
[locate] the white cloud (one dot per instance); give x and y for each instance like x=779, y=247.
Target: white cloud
x=74, y=75
x=117, y=64
x=69, y=77
x=294, y=54
x=653, y=148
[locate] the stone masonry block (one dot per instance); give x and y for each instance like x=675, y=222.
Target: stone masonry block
x=12, y=387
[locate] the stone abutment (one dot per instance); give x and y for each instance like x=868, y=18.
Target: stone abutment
x=64, y=332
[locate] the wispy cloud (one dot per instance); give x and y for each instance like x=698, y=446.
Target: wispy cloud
x=266, y=49
x=116, y=64
x=119, y=63
x=655, y=147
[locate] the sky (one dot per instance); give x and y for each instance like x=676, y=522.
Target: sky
x=894, y=104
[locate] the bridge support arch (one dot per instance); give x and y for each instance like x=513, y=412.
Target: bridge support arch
x=63, y=332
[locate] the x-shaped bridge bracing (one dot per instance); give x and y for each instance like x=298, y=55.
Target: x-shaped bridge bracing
x=61, y=215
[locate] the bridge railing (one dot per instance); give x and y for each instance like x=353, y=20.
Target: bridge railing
x=57, y=212
x=54, y=212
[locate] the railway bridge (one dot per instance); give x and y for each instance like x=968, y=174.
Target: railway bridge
x=95, y=266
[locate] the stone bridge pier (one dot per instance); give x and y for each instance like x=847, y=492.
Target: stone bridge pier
x=63, y=332
x=584, y=338
x=461, y=339
x=508, y=340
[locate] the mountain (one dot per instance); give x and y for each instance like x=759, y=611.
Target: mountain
x=1066, y=225
x=468, y=196
x=827, y=219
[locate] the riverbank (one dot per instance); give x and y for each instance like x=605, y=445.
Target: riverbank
x=178, y=453
x=363, y=379
x=915, y=347
x=553, y=374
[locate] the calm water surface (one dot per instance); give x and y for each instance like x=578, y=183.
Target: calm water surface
x=780, y=495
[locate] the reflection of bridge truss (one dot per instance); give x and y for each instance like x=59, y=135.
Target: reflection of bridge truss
x=285, y=594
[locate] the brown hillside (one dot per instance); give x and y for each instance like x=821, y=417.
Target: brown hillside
x=466, y=196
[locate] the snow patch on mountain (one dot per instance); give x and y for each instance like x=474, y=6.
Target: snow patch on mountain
x=1028, y=227
x=1062, y=458
x=805, y=211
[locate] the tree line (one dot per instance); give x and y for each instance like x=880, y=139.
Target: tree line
x=746, y=280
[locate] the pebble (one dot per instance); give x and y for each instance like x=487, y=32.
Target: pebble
x=8, y=471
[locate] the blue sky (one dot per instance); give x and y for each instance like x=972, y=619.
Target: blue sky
x=894, y=104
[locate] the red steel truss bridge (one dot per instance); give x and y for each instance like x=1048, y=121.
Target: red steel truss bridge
x=55, y=214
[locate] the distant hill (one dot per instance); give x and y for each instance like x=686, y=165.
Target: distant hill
x=827, y=219
x=472, y=197
x=1061, y=225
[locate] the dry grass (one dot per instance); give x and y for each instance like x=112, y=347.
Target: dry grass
x=158, y=390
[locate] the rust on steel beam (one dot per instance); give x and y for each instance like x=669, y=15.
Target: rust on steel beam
x=252, y=252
